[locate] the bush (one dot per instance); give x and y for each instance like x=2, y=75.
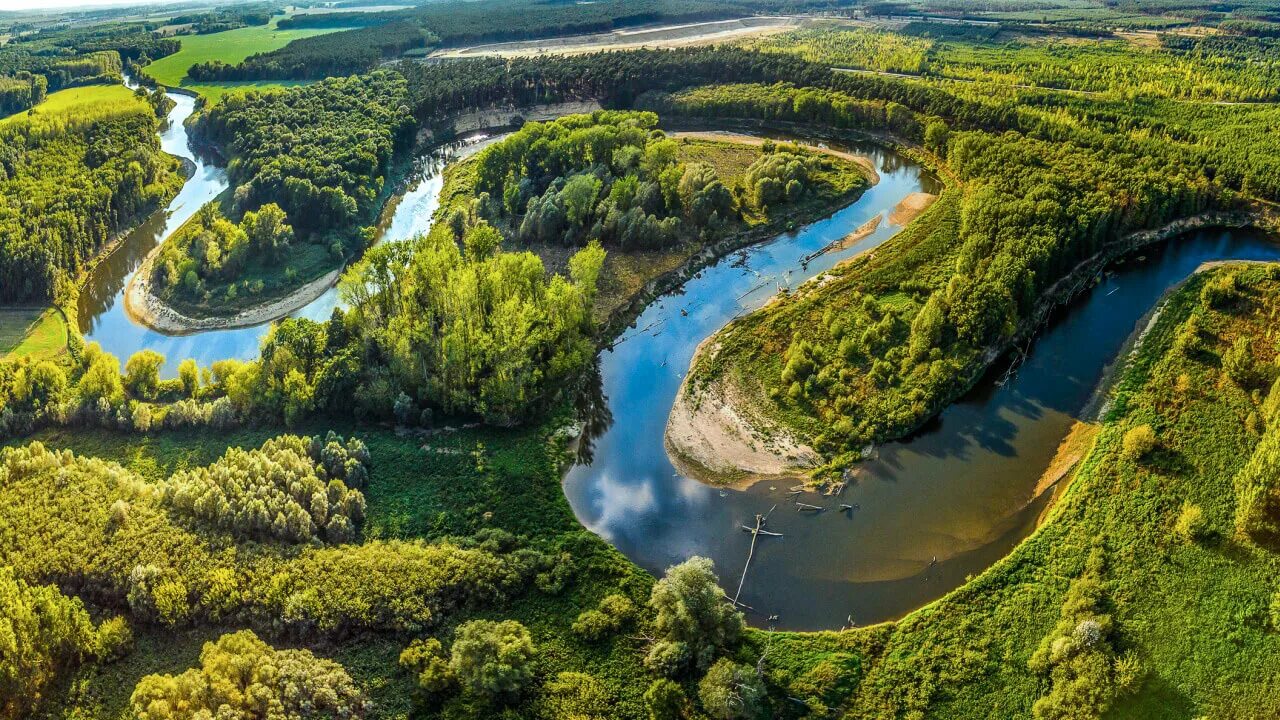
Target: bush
x=242, y=677
x=732, y=692
x=691, y=615
x=665, y=700
x=493, y=660
x=576, y=696
x=1191, y=524
x=42, y=632
x=1139, y=441
x=594, y=625
x=426, y=660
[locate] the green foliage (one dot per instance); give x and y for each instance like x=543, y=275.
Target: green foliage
x=42, y=632
x=594, y=625
x=319, y=152
x=242, y=676
x=730, y=691
x=1084, y=672
x=1191, y=524
x=665, y=700
x=492, y=660
x=489, y=336
x=282, y=491
x=1139, y=441
x=427, y=661
x=576, y=695
x=692, y=622
x=72, y=179
x=116, y=540
x=142, y=374
x=1257, y=489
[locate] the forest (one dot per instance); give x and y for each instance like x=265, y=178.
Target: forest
x=71, y=180
x=370, y=515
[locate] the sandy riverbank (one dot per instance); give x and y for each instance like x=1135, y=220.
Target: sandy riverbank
x=708, y=438
x=143, y=307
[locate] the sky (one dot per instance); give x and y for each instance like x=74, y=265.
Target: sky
x=65, y=4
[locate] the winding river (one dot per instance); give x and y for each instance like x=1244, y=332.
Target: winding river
x=102, y=315
x=929, y=510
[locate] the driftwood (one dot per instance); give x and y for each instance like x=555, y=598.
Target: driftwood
x=807, y=507
x=756, y=532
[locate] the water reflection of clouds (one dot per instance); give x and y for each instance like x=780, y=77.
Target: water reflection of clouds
x=618, y=503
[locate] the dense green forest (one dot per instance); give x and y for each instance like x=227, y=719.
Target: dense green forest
x=70, y=180
x=406, y=549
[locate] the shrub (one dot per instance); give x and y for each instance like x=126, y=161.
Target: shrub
x=1239, y=365
x=493, y=660
x=114, y=639
x=1191, y=524
x=576, y=696
x=242, y=677
x=690, y=611
x=1139, y=441
x=1257, y=488
x=614, y=611
x=665, y=700
x=730, y=691
x=426, y=660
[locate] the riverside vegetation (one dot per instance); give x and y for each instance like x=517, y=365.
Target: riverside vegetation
x=380, y=561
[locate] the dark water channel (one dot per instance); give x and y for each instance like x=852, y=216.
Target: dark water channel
x=931, y=509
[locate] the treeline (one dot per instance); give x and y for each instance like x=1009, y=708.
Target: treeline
x=613, y=176
x=459, y=22
x=225, y=18
x=68, y=183
x=862, y=369
x=321, y=56
x=111, y=538
x=320, y=152
x=26, y=80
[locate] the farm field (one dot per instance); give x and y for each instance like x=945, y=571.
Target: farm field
x=37, y=333
x=230, y=46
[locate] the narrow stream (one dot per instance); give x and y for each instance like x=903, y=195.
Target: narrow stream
x=102, y=314
x=929, y=510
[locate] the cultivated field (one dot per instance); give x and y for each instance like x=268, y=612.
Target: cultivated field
x=231, y=46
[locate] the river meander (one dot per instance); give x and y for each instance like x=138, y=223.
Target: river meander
x=102, y=315
x=930, y=510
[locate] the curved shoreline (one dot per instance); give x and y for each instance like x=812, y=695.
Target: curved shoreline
x=735, y=456
x=145, y=308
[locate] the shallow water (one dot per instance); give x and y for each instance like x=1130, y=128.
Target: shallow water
x=102, y=314
x=930, y=510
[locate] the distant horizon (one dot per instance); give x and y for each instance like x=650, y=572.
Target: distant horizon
x=55, y=5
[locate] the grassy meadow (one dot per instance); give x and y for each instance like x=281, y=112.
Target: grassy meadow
x=75, y=102
x=36, y=332
x=231, y=47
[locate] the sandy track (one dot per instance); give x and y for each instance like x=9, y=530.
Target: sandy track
x=665, y=36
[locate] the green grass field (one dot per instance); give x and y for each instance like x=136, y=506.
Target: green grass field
x=35, y=332
x=73, y=100
x=231, y=47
